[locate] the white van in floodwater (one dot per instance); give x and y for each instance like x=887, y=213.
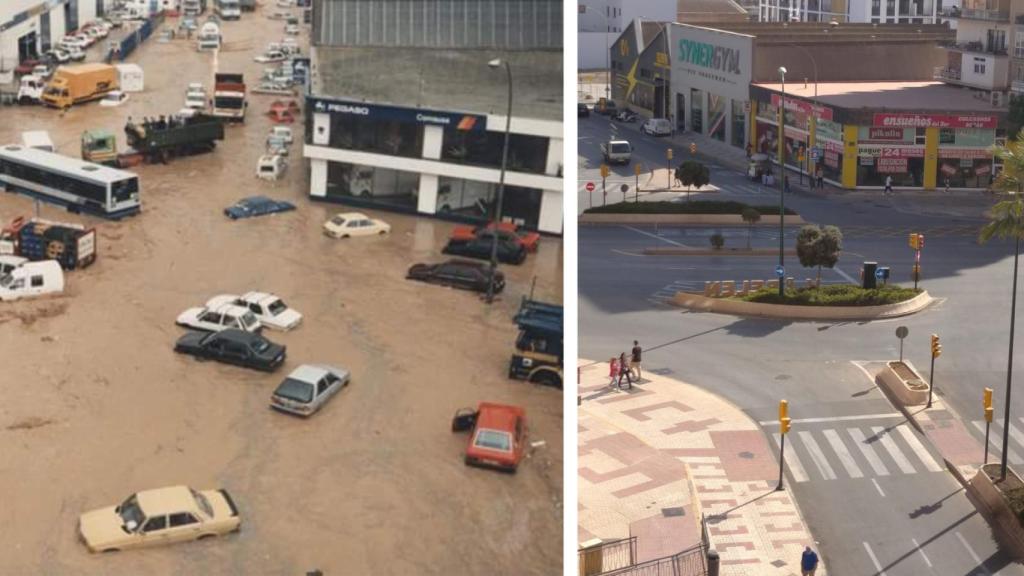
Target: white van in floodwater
x=32, y=279
x=38, y=139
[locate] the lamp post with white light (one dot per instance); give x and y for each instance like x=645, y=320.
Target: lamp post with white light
x=497, y=63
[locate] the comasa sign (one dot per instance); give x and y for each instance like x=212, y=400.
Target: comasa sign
x=934, y=121
x=710, y=56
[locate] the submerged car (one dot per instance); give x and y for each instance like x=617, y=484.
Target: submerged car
x=349, y=224
x=506, y=231
x=308, y=388
x=459, y=274
x=509, y=251
x=498, y=435
x=233, y=346
x=220, y=313
x=161, y=516
x=257, y=206
x=113, y=99
x=269, y=309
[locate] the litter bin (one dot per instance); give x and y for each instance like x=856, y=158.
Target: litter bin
x=868, y=275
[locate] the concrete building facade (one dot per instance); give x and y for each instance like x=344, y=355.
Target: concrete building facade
x=600, y=22
x=853, y=11
x=988, y=53
x=30, y=27
x=405, y=114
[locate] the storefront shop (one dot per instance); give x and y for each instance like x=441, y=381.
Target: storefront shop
x=864, y=147
x=710, y=81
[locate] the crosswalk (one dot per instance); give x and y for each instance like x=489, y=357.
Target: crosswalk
x=995, y=439
x=855, y=452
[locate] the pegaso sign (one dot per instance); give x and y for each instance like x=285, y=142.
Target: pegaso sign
x=709, y=56
x=463, y=122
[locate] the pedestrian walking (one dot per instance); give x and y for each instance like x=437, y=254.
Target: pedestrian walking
x=821, y=178
x=636, y=357
x=624, y=371
x=888, y=185
x=947, y=184
x=613, y=370
x=808, y=562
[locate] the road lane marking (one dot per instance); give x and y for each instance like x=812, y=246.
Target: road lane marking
x=656, y=236
x=974, y=555
x=874, y=560
x=919, y=549
x=796, y=469
x=995, y=439
x=845, y=275
x=919, y=449
x=869, y=453
x=834, y=419
x=817, y=456
x=1015, y=432
x=893, y=449
x=844, y=455
x=877, y=487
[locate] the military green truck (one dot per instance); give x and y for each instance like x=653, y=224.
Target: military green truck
x=538, y=349
x=154, y=140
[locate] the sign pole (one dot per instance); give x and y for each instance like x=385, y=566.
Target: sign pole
x=782, y=460
x=604, y=195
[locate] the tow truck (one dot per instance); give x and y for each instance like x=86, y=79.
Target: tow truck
x=538, y=355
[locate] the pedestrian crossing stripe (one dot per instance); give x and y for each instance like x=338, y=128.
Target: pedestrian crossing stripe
x=995, y=439
x=879, y=451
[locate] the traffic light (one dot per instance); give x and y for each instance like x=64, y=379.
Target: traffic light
x=636, y=168
x=605, y=170
x=936, y=347
x=914, y=241
x=668, y=153
x=920, y=241
x=693, y=147
x=783, y=416
x=988, y=404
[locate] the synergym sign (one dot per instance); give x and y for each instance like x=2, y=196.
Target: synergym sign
x=710, y=56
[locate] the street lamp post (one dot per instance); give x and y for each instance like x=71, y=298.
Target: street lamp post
x=782, y=183
x=497, y=62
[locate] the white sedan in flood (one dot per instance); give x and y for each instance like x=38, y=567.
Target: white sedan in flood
x=220, y=313
x=115, y=98
x=349, y=224
x=270, y=310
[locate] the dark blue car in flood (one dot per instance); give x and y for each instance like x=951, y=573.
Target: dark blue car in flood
x=256, y=206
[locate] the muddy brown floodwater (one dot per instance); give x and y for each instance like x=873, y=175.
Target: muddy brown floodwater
x=95, y=405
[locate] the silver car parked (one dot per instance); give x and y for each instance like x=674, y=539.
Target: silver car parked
x=307, y=388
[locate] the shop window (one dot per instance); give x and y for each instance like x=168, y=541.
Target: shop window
x=716, y=116
x=905, y=172
x=352, y=132
x=919, y=137
x=373, y=185
x=964, y=172
x=697, y=110
x=739, y=123
x=525, y=153
x=475, y=200
x=979, y=65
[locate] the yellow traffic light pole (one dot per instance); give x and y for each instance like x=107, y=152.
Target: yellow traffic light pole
x=636, y=189
x=936, y=352
x=783, y=429
x=987, y=403
x=604, y=177
x=668, y=177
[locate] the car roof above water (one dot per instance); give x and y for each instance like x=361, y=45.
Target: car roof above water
x=169, y=500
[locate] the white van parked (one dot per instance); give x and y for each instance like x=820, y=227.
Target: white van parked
x=38, y=139
x=32, y=279
x=657, y=127
x=271, y=167
x=9, y=262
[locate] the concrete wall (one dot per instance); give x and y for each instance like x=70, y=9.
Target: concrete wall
x=854, y=61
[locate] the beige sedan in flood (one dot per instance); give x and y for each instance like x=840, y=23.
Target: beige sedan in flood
x=160, y=516
x=348, y=224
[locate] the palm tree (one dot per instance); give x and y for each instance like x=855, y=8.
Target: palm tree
x=1006, y=221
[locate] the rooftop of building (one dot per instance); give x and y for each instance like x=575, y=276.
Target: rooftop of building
x=911, y=96
x=818, y=32
x=442, y=79
x=710, y=11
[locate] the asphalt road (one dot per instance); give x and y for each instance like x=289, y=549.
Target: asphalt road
x=913, y=519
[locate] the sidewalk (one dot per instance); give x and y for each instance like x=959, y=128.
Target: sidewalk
x=654, y=459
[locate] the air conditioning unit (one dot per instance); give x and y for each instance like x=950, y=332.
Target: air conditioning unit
x=997, y=99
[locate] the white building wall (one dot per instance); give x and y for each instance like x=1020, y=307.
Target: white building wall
x=9, y=35
x=615, y=15
x=857, y=11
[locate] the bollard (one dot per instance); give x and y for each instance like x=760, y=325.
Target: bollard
x=713, y=562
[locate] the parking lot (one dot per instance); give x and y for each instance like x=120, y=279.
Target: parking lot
x=97, y=405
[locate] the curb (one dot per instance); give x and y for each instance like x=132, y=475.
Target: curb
x=701, y=303
x=716, y=220
x=711, y=252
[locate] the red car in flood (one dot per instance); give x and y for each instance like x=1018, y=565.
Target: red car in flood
x=528, y=240
x=498, y=435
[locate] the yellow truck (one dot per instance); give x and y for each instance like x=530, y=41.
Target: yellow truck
x=79, y=83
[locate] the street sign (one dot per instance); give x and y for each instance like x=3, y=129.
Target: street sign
x=902, y=332
x=879, y=273
x=780, y=271
x=590, y=186
x=624, y=188
x=815, y=154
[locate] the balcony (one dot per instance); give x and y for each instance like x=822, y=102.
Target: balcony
x=976, y=47
x=977, y=14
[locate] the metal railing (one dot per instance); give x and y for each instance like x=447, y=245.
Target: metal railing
x=611, y=555
x=692, y=562
x=978, y=47
x=988, y=15
x=705, y=538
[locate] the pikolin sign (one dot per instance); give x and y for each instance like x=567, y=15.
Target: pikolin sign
x=709, y=56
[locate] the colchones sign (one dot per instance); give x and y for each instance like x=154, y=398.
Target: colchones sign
x=710, y=56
